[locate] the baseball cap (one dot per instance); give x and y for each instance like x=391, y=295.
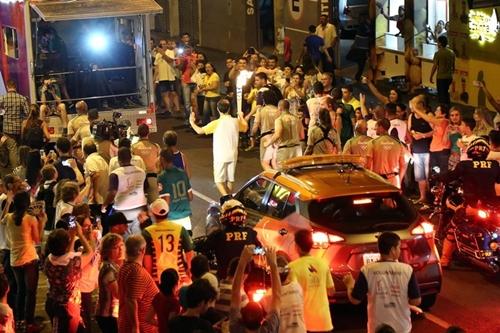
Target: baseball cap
x=117, y=219
x=159, y=207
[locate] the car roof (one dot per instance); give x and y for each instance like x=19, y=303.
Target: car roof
x=331, y=180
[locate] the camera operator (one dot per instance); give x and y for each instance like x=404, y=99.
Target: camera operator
x=105, y=132
x=50, y=96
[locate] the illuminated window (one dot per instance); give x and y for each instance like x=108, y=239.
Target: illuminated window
x=10, y=42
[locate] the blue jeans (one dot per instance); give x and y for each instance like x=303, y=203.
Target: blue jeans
x=210, y=109
x=27, y=283
x=187, y=90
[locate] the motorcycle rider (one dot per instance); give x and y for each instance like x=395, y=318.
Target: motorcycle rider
x=227, y=243
x=481, y=183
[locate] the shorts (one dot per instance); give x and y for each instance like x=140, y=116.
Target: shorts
x=166, y=86
x=421, y=166
x=185, y=222
x=224, y=171
x=269, y=153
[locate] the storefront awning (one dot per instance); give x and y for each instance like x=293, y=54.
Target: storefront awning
x=61, y=10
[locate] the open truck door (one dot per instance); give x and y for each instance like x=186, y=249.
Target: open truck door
x=96, y=51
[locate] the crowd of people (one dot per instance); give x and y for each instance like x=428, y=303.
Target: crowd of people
x=115, y=220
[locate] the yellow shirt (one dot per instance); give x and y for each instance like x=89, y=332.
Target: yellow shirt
x=313, y=275
x=212, y=81
x=329, y=34
x=353, y=102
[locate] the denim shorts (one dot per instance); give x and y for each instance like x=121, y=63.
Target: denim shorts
x=421, y=166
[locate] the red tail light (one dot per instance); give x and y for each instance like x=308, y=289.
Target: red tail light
x=483, y=214
x=321, y=240
x=424, y=228
x=258, y=295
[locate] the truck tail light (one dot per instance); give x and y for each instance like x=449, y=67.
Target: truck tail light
x=321, y=240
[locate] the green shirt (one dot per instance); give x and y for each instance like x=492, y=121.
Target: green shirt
x=175, y=184
x=444, y=59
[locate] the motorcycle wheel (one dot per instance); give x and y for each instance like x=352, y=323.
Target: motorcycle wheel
x=428, y=301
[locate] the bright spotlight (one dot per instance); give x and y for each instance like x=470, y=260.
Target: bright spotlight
x=97, y=42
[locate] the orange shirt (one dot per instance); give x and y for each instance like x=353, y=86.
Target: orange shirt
x=440, y=139
x=149, y=153
x=386, y=154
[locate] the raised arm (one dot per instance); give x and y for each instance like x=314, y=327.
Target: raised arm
x=275, y=280
x=489, y=96
x=245, y=258
x=378, y=95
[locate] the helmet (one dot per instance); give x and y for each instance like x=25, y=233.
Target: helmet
x=233, y=212
x=478, y=149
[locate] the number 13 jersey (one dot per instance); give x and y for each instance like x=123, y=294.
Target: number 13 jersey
x=166, y=244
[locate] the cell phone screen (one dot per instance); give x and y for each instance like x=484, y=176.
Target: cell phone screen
x=72, y=222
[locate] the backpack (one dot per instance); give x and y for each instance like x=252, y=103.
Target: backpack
x=325, y=137
x=47, y=195
x=33, y=137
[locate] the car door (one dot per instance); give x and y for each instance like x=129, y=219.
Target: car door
x=273, y=228
x=254, y=197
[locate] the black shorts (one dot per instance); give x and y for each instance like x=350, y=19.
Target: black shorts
x=166, y=86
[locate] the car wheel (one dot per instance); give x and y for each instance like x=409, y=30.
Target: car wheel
x=428, y=301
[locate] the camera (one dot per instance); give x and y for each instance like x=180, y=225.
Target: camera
x=110, y=130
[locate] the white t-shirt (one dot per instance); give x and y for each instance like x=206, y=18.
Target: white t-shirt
x=94, y=163
x=372, y=128
x=313, y=107
x=130, y=193
x=388, y=286
x=401, y=127
x=292, y=308
x=225, y=140
x=136, y=160
x=166, y=70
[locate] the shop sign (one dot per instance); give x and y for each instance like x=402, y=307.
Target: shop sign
x=250, y=7
x=324, y=7
x=482, y=26
x=296, y=7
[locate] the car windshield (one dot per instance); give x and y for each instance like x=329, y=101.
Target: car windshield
x=363, y=213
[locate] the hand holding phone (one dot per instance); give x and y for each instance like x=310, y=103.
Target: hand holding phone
x=259, y=251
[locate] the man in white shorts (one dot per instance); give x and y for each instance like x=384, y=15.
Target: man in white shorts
x=225, y=132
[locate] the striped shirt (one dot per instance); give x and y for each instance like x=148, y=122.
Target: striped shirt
x=134, y=283
x=16, y=109
x=223, y=303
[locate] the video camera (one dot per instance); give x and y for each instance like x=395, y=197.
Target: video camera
x=111, y=130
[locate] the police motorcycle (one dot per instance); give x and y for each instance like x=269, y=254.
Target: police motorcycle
x=258, y=279
x=474, y=231
x=447, y=196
